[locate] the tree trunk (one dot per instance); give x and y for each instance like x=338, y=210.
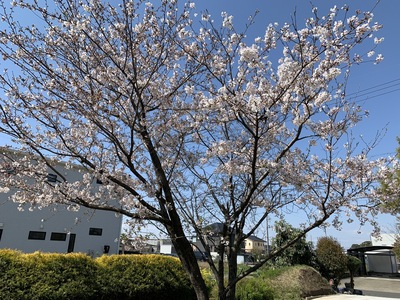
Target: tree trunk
x=220, y=277
x=351, y=279
x=174, y=227
x=232, y=273
x=228, y=292
x=186, y=255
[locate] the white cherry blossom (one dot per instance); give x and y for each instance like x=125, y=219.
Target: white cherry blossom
x=185, y=122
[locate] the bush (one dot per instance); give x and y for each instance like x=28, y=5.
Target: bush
x=47, y=276
x=11, y=267
x=331, y=258
x=209, y=279
x=353, y=264
x=78, y=276
x=254, y=289
x=144, y=277
x=287, y=283
x=62, y=276
x=300, y=253
x=284, y=284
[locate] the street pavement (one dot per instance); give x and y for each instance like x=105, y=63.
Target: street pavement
x=373, y=288
x=353, y=297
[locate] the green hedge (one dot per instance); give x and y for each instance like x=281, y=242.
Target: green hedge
x=78, y=276
x=11, y=268
x=144, y=277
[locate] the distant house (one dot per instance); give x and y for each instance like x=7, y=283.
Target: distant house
x=384, y=240
x=56, y=228
x=213, y=233
x=254, y=245
x=147, y=246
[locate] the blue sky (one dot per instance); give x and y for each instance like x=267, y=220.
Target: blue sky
x=377, y=85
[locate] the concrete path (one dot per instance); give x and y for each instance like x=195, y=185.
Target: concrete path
x=352, y=297
x=373, y=288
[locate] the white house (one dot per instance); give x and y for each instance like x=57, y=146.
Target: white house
x=57, y=229
x=166, y=247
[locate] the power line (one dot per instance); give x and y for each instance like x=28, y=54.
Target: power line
x=378, y=90
x=375, y=96
x=376, y=86
x=368, y=93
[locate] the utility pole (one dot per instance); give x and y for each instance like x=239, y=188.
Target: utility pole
x=268, y=246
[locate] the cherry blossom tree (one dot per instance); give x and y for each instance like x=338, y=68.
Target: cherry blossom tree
x=187, y=121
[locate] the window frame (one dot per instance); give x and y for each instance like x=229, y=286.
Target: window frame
x=51, y=177
x=58, y=236
x=37, y=235
x=96, y=231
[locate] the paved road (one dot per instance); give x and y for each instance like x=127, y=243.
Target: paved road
x=378, y=286
x=373, y=288
x=354, y=297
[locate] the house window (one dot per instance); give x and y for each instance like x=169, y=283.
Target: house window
x=51, y=177
x=1, y=233
x=10, y=170
x=98, y=180
x=95, y=231
x=37, y=235
x=58, y=236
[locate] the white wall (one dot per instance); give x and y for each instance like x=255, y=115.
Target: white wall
x=15, y=226
x=166, y=249
x=383, y=240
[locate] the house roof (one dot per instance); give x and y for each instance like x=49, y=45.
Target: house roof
x=368, y=248
x=217, y=228
x=214, y=227
x=255, y=239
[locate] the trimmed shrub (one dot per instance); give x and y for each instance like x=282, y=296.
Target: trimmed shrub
x=143, y=277
x=71, y=276
x=331, y=259
x=353, y=264
x=11, y=266
x=61, y=276
x=47, y=276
